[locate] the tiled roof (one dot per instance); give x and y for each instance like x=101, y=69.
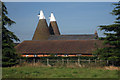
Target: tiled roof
x=58, y=46
x=42, y=31
x=53, y=28
x=73, y=37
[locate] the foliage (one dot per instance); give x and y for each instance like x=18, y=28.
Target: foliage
x=9, y=57
x=111, y=51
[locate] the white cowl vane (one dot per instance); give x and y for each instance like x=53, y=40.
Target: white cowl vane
x=52, y=17
x=41, y=16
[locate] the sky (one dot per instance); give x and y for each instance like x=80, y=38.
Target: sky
x=71, y=17
x=60, y=0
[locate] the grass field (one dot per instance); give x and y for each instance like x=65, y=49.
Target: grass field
x=57, y=72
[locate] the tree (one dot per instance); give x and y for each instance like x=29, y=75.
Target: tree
x=9, y=56
x=112, y=39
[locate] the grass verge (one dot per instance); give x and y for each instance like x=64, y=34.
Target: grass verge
x=57, y=72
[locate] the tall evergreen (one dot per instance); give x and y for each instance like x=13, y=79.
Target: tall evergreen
x=9, y=56
x=112, y=39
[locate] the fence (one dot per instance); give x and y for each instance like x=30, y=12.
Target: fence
x=66, y=62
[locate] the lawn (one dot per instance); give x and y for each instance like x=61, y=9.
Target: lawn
x=57, y=72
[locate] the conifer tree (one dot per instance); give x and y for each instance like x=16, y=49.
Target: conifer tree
x=9, y=56
x=112, y=39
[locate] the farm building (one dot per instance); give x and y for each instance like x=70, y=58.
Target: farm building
x=48, y=41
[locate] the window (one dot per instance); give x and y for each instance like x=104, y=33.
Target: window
x=26, y=55
x=35, y=55
x=66, y=55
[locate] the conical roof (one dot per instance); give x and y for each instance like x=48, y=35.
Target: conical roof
x=42, y=31
x=53, y=27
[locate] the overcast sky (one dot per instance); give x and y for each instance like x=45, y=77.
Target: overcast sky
x=72, y=17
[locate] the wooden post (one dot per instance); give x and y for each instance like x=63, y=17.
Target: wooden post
x=62, y=61
x=34, y=60
x=78, y=61
x=57, y=61
x=107, y=62
x=95, y=61
x=89, y=61
x=67, y=61
x=38, y=60
x=47, y=62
